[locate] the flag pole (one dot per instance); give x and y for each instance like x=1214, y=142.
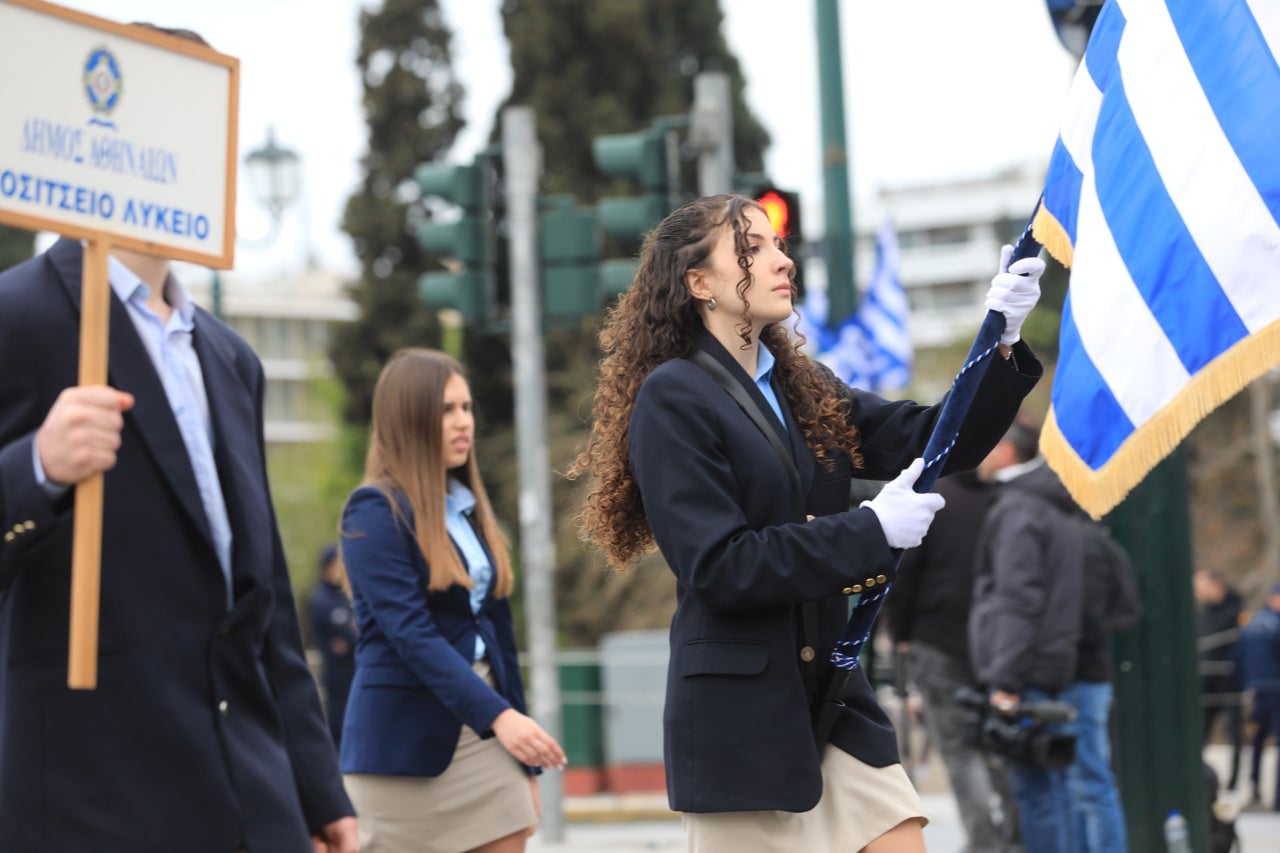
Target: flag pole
x=845, y=656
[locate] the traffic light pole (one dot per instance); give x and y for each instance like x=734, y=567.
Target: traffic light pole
x=711, y=131
x=841, y=290
x=522, y=161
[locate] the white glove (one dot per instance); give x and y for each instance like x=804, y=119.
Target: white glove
x=905, y=515
x=1014, y=292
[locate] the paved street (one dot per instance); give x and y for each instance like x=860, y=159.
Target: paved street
x=1259, y=833
x=607, y=824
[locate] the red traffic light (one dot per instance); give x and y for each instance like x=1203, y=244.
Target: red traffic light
x=778, y=209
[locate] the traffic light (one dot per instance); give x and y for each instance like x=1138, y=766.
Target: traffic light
x=783, y=209
x=467, y=242
x=568, y=248
x=649, y=157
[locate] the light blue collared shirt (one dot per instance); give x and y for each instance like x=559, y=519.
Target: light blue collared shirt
x=458, y=504
x=764, y=370
x=172, y=353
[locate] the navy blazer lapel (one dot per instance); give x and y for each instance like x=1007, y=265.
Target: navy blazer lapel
x=129, y=368
x=708, y=342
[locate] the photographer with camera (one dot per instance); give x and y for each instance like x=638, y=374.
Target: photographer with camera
x=1035, y=635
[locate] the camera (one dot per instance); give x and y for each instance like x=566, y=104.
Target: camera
x=1021, y=734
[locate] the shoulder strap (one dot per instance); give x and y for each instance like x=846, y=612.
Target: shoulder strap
x=808, y=609
x=726, y=381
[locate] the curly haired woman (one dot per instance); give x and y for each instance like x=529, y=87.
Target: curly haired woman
x=678, y=463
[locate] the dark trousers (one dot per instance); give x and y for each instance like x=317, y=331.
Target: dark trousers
x=978, y=781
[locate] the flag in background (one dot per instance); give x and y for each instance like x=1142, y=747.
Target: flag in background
x=1163, y=196
x=871, y=349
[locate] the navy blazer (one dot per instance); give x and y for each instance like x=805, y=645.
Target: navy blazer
x=736, y=721
x=414, y=686
x=205, y=731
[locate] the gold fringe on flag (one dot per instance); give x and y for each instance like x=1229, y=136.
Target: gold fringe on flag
x=1098, y=492
x=1049, y=232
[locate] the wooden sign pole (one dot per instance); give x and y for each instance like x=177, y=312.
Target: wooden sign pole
x=86, y=544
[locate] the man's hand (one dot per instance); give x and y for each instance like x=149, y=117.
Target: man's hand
x=1003, y=702
x=341, y=836
x=81, y=433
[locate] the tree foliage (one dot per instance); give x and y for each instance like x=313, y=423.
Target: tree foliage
x=412, y=105
x=16, y=246
x=589, y=68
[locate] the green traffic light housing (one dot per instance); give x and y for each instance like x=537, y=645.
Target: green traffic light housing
x=631, y=217
x=641, y=156
x=463, y=239
x=568, y=249
x=616, y=276
x=462, y=291
x=461, y=185
x=469, y=283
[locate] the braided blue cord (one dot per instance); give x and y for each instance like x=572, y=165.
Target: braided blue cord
x=857, y=631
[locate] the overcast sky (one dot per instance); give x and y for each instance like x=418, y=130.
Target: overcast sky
x=934, y=89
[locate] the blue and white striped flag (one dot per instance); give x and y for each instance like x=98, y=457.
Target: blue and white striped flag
x=871, y=349
x=1163, y=196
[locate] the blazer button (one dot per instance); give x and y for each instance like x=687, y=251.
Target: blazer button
x=223, y=709
x=881, y=578
x=806, y=654
x=28, y=525
x=9, y=536
x=853, y=590
x=870, y=582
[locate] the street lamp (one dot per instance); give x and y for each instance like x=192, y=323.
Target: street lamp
x=275, y=176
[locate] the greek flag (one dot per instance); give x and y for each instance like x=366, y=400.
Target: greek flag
x=870, y=349
x=1163, y=196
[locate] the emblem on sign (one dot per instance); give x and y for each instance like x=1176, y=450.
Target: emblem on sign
x=102, y=81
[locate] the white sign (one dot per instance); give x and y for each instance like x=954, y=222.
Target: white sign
x=116, y=130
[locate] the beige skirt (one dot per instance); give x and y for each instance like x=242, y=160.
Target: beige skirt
x=859, y=804
x=483, y=795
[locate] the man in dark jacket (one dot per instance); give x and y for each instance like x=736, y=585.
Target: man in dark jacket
x=928, y=612
x=1259, y=655
x=1218, y=610
x=1029, y=642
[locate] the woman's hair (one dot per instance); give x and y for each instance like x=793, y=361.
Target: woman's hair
x=657, y=320
x=406, y=455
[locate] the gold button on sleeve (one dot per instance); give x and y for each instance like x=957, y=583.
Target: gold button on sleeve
x=806, y=654
x=881, y=578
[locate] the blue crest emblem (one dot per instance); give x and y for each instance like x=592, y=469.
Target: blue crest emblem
x=102, y=81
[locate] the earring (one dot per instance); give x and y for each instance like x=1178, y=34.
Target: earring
x=711, y=304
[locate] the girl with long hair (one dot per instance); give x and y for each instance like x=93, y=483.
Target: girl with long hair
x=765, y=568
x=438, y=752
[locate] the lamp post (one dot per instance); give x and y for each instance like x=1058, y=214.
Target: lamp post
x=275, y=176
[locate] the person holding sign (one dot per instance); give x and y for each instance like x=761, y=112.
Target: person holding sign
x=204, y=733
x=154, y=695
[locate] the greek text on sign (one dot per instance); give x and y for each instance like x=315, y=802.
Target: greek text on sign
x=116, y=130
